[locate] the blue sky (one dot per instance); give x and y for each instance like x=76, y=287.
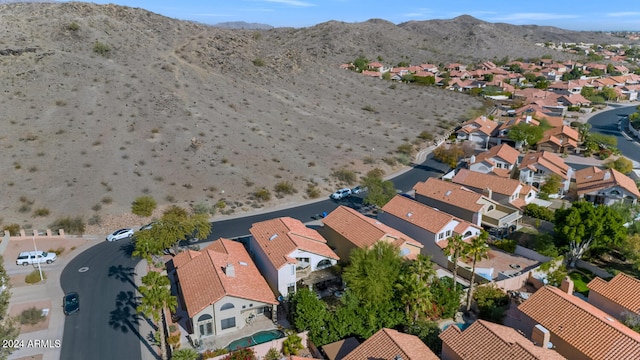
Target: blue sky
x=568, y=14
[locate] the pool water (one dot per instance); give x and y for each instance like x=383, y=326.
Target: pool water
x=255, y=339
x=460, y=326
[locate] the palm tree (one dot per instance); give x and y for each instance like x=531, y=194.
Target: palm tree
x=477, y=249
x=455, y=247
x=583, y=131
x=156, y=295
x=414, y=286
x=185, y=354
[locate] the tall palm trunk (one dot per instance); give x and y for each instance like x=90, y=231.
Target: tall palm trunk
x=455, y=270
x=473, y=278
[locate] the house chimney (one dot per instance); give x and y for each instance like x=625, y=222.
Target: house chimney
x=527, y=119
x=541, y=336
x=488, y=193
x=567, y=285
x=229, y=270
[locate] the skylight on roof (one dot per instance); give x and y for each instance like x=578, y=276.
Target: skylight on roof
x=447, y=193
x=243, y=263
x=273, y=237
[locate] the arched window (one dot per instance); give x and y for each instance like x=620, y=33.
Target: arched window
x=615, y=193
x=205, y=325
x=227, y=306
x=324, y=263
x=204, y=317
x=467, y=234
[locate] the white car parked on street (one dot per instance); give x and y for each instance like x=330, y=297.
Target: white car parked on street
x=340, y=194
x=34, y=257
x=120, y=234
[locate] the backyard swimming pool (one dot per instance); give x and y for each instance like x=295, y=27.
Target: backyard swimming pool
x=460, y=326
x=255, y=339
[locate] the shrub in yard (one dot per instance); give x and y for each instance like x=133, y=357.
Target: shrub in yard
x=292, y=344
x=492, y=303
x=143, y=206
x=262, y=194
x=57, y=251
x=285, y=187
x=34, y=277
x=375, y=173
x=312, y=191
x=345, y=175
x=69, y=225
x=425, y=135
x=31, y=316
x=174, y=341
x=507, y=245
x=241, y=354
x=273, y=354
x=538, y=212
x=405, y=149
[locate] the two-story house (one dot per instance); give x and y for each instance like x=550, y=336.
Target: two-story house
x=561, y=140
x=535, y=168
x=478, y=131
x=617, y=297
x=466, y=204
x=484, y=340
x=499, y=160
x=503, y=190
x=346, y=229
x=606, y=186
x=221, y=289
x=429, y=226
x=389, y=344
x=577, y=329
x=288, y=254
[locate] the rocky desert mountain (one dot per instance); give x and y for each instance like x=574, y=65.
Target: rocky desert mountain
x=103, y=103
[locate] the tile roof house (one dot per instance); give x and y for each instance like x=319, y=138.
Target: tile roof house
x=485, y=340
x=346, y=229
x=578, y=330
x=617, y=297
x=501, y=135
x=500, y=160
x=503, y=190
x=287, y=252
x=220, y=288
x=536, y=167
x=389, y=344
x=605, y=186
x=465, y=204
x=429, y=226
x=478, y=130
x=561, y=139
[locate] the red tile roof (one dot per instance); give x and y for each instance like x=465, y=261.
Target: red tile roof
x=484, y=340
x=279, y=237
x=422, y=215
x=623, y=290
x=481, y=124
x=451, y=193
x=203, y=280
x=386, y=344
x=364, y=231
x=588, y=329
x=502, y=151
x=594, y=179
x=547, y=159
x=482, y=181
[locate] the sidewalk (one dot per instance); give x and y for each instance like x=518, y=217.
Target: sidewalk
x=45, y=342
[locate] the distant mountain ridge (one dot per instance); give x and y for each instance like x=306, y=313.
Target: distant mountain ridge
x=242, y=25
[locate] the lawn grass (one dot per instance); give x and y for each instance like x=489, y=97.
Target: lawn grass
x=580, y=282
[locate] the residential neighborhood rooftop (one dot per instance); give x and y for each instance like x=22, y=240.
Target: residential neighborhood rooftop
x=482, y=181
x=547, y=159
x=593, y=178
x=389, y=344
x=622, y=289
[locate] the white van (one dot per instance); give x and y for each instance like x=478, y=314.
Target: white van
x=33, y=257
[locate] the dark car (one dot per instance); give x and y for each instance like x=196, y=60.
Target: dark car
x=71, y=303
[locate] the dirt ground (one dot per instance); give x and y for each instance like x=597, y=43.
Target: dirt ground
x=17, y=309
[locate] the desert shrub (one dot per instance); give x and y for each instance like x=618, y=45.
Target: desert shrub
x=101, y=48
x=143, y=206
x=369, y=160
x=241, y=354
x=375, y=173
x=273, y=354
x=425, y=135
x=95, y=219
x=73, y=26
x=221, y=204
x=201, y=208
x=405, y=149
x=185, y=354
x=258, y=62
x=345, y=175
x=404, y=159
x=70, y=225
x=538, y=212
x=369, y=108
x=106, y=200
x=174, y=341
x=57, y=251
x=34, y=277
x=208, y=354
x=507, y=245
x=262, y=194
x=13, y=229
x=41, y=212
x=391, y=161
x=492, y=303
x=312, y=191
x=285, y=187
x=31, y=316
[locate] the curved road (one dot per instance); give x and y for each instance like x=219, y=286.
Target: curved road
x=107, y=326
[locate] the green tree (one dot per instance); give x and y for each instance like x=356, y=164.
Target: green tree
x=477, y=249
x=621, y=164
x=584, y=130
x=609, y=93
x=526, y=133
x=379, y=191
x=292, y=344
x=455, y=247
x=552, y=184
x=185, y=354
x=584, y=227
x=174, y=226
x=413, y=286
x=156, y=295
x=242, y=354
x=428, y=332
x=8, y=329
x=446, y=298
x=143, y=206
x=360, y=63
x=309, y=313
x=492, y=302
